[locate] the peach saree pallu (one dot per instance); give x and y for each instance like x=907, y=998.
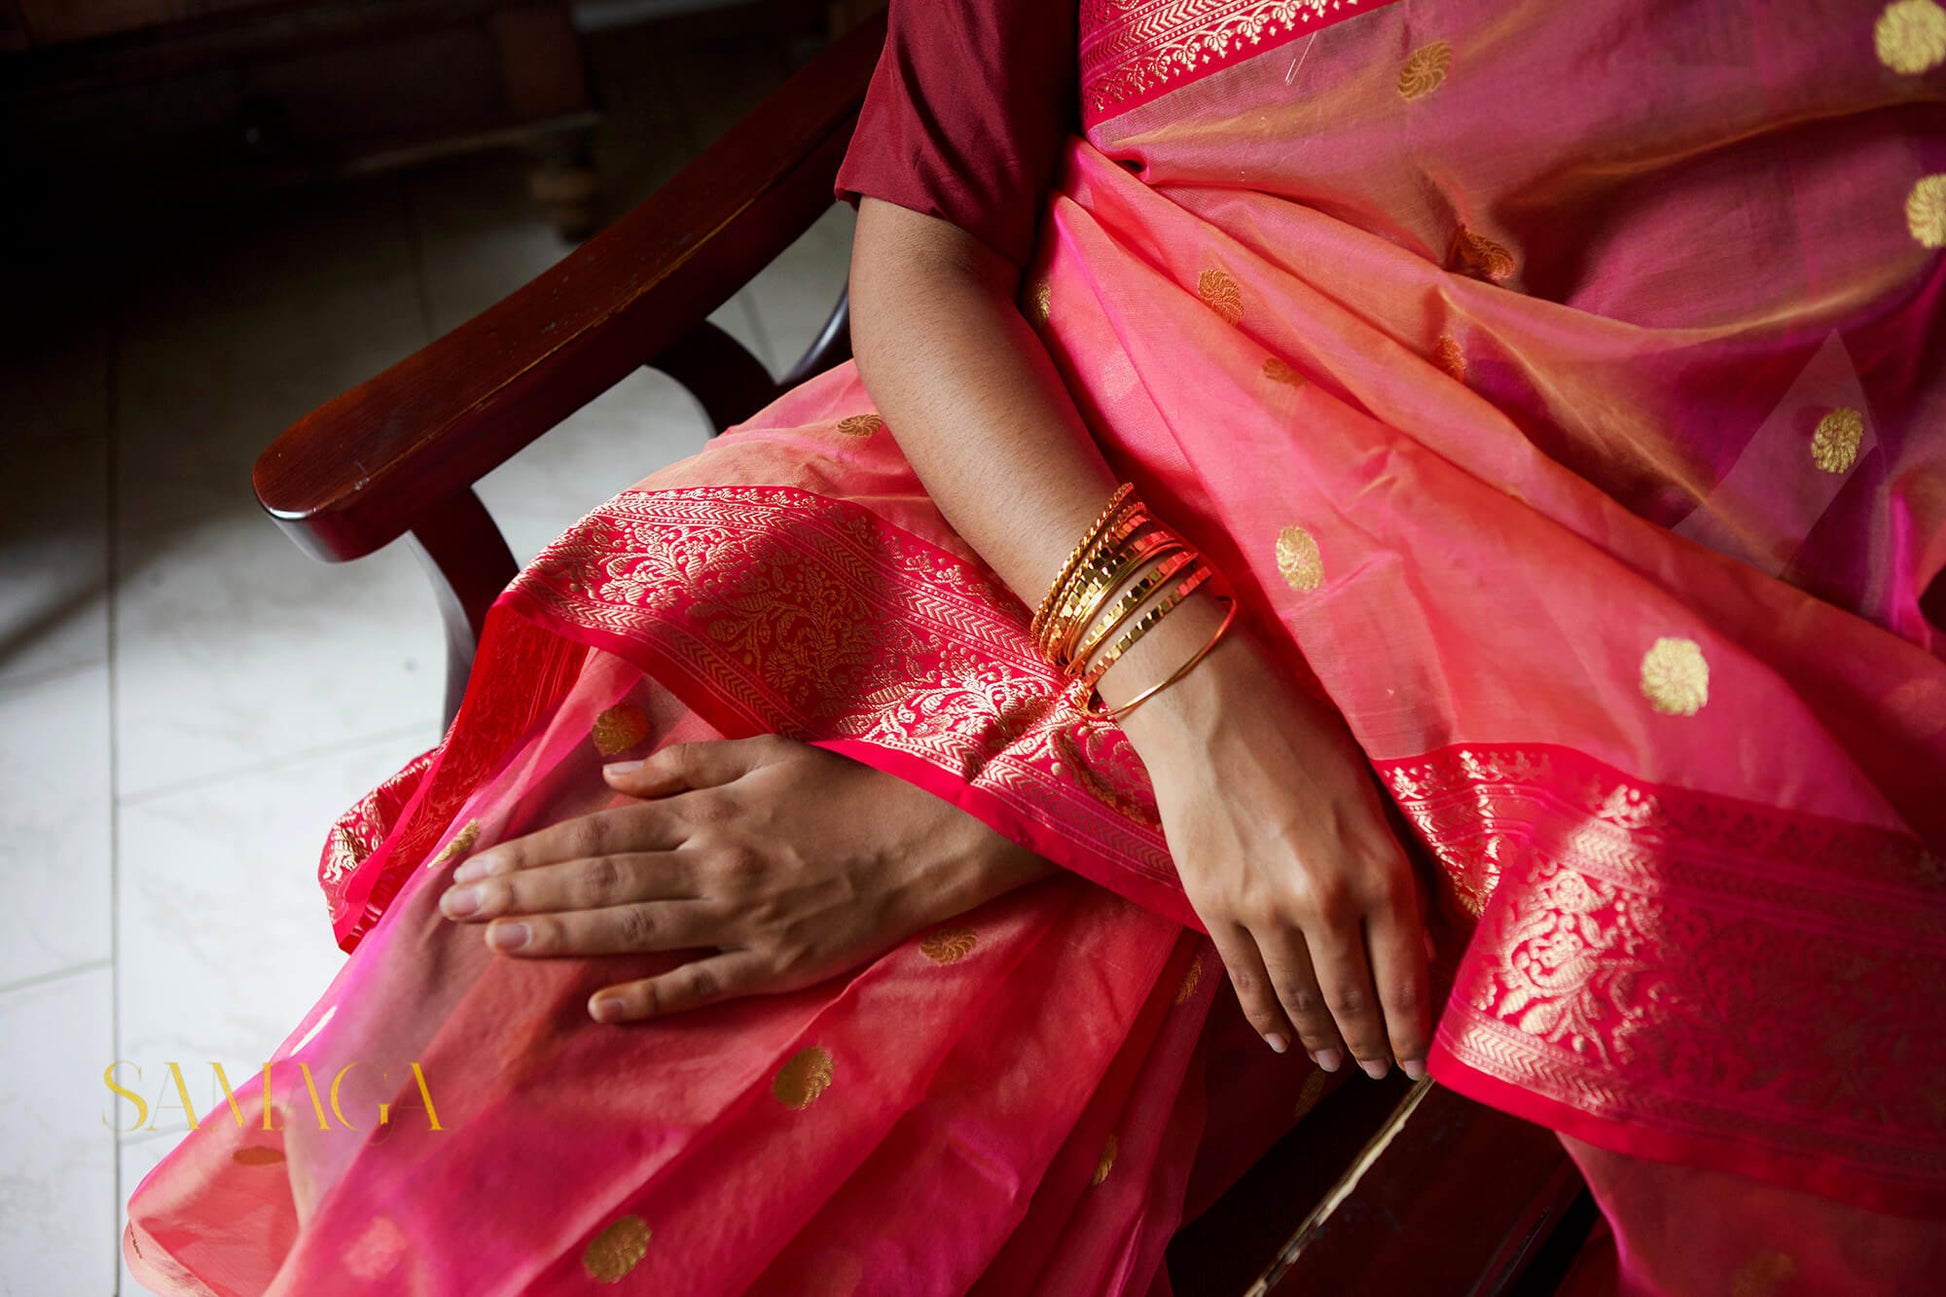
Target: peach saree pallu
x=1560, y=387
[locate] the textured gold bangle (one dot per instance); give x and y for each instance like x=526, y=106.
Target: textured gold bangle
x=1102, y=581
x=1116, y=713
x=1101, y=557
x=1129, y=519
x=1148, y=622
x=1170, y=560
x=1099, y=525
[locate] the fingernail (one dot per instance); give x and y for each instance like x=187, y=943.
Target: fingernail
x=1414, y=1068
x=507, y=936
x=608, y=1008
x=1374, y=1069
x=616, y=768
x=1277, y=1042
x=474, y=868
x=1329, y=1059
x=460, y=902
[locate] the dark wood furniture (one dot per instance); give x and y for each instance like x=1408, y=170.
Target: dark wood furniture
x=1383, y=1188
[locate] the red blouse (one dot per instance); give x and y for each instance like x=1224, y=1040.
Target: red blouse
x=966, y=115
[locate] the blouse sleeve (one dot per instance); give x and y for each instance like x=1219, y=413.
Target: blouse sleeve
x=966, y=115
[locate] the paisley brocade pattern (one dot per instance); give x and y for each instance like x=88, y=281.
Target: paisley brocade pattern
x=361, y=829
x=813, y=618
x=1133, y=50
x=1709, y=950
x=1668, y=959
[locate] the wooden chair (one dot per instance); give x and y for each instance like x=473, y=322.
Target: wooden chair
x=1383, y=1188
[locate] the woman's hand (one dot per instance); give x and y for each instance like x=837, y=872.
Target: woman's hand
x=794, y=863
x=1283, y=849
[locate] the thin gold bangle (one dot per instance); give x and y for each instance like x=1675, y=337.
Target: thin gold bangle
x=1133, y=557
x=1147, y=623
x=1100, y=524
x=1130, y=521
x=1116, y=713
x=1168, y=565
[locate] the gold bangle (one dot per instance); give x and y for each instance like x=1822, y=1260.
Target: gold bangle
x=1086, y=687
x=1101, y=586
x=1099, y=525
x=1126, y=532
x=1116, y=713
x=1138, y=594
x=1130, y=520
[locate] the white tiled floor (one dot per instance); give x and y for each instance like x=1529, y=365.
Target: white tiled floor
x=186, y=701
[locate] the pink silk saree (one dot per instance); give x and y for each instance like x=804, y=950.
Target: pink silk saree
x=1561, y=387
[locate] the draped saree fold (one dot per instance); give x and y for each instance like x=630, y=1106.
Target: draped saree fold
x=1580, y=444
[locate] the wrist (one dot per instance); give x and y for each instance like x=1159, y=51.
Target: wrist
x=1175, y=640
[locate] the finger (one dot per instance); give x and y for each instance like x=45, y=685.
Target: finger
x=625, y=829
x=1338, y=957
x=705, y=981
x=589, y=884
x=1397, y=946
x=618, y=930
x=1288, y=962
x=1253, y=986
x=682, y=767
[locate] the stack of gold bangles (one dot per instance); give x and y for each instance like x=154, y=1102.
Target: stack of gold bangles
x=1128, y=571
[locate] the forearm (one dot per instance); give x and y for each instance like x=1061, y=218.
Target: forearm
x=982, y=415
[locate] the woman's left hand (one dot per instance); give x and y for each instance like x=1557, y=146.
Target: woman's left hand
x=791, y=862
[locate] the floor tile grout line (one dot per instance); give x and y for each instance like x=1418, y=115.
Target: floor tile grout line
x=283, y=761
x=55, y=975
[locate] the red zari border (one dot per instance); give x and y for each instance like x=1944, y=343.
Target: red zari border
x=1680, y=975
x=1135, y=50
x=1691, y=977
x=774, y=610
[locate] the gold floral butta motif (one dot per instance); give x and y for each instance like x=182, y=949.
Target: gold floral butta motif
x=860, y=425
x=1475, y=254
x=461, y=844
x=611, y=1254
x=1910, y=36
x=1834, y=443
x=1424, y=70
x=804, y=1076
x=1675, y=676
x=1278, y=371
x=1107, y=1163
x=1038, y=303
x=1221, y=294
x=1298, y=560
x=1925, y=211
x=619, y=728
x=257, y=1155
x=948, y=945
x=1447, y=355
x=1191, y=976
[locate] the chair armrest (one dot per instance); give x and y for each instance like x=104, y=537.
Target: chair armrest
x=357, y=472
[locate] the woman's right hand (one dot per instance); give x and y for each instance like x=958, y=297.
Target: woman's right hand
x=1283, y=848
